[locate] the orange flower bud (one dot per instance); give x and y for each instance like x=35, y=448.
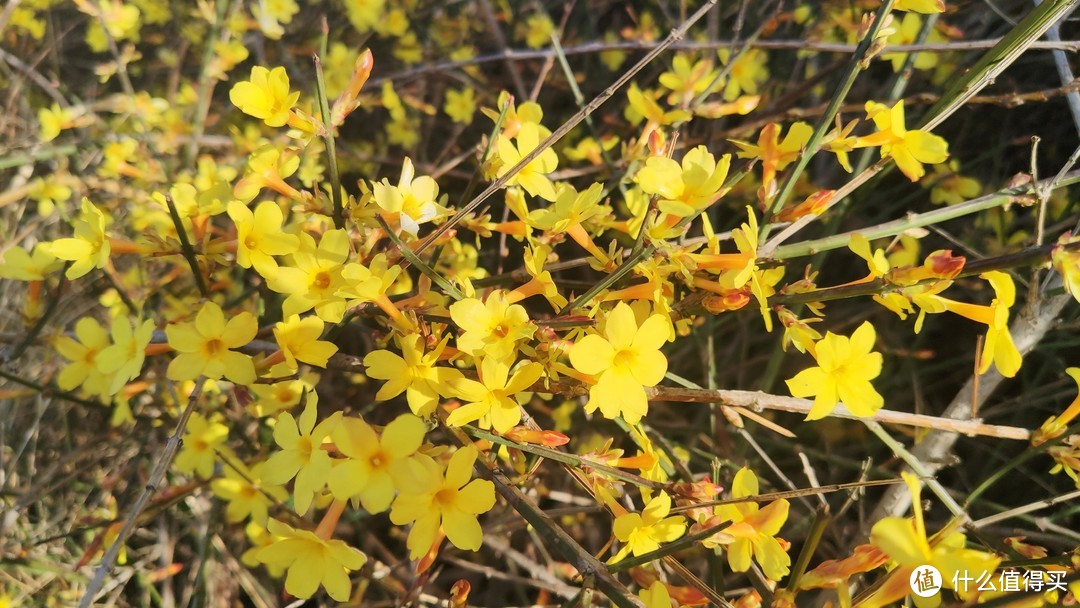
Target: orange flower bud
x=814, y=204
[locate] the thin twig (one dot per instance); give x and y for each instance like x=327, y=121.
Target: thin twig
x=157, y=474
x=1028, y=508
x=699, y=45
x=185, y=246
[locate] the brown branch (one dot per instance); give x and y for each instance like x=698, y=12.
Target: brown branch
x=156, y=477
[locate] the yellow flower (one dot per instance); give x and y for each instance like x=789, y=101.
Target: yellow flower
x=84, y=369
x=311, y=561
x=910, y=149
x=265, y=95
x=920, y=6
x=750, y=71
x=906, y=543
x=49, y=191
x=370, y=284
x=413, y=373
x=23, y=266
x=259, y=236
x=774, y=153
x=538, y=29
x=998, y=347
x=533, y=176
x=413, y=200
x=643, y=532
x=491, y=400
x=268, y=167
x=876, y=261
x=845, y=369
x=687, y=80
x=449, y=501
x=460, y=105
x=626, y=358
x=123, y=360
x=270, y=399
x=1066, y=263
x=301, y=454
x=643, y=104
x=299, y=340
x=246, y=493
x=655, y=596
x=753, y=529
x=376, y=463
x=1055, y=425
x=516, y=116
x=53, y=120
x=201, y=438
x=365, y=14
x=952, y=188
x=491, y=328
x=270, y=14
x=89, y=248
x=907, y=32
x=570, y=210
x=313, y=276
x=541, y=282
x=591, y=150
x=205, y=346
x=685, y=189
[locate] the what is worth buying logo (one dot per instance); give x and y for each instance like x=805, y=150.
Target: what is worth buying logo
x=925, y=581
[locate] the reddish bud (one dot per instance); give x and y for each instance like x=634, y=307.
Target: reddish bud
x=656, y=142
x=814, y=204
x=733, y=300
x=459, y=594
x=550, y=439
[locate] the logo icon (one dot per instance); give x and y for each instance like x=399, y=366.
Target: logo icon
x=925, y=581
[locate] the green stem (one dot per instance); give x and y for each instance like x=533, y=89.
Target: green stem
x=328, y=136
x=997, y=59
x=185, y=246
x=825, y=122
x=1027, y=257
x=415, y=260
x=990, y=201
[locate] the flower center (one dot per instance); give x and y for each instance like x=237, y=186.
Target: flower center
x=322, y=280
x=501, y=330
x=251, y=242
x=377, y=460
x=445, y=496
x=214, y=347
x=624, y=358
x=304, y=446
